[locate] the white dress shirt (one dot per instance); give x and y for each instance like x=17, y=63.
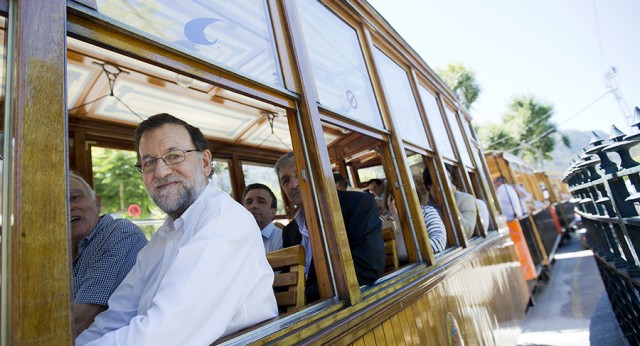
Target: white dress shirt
x=271, y=237
x=509, y=202
x=202, y=276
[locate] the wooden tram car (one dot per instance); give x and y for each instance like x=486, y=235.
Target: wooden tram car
x=550, y=214
x=329, y=80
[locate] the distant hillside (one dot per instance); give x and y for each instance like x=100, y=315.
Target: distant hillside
x=562, y=156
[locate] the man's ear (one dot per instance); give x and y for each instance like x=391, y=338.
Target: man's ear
x=273, y=212
x=98, y=203
x=206, y=162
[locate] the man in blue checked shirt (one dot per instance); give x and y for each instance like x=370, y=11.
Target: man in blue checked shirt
x=104, y=250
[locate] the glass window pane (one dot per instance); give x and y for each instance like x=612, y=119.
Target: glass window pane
x=401, y=101
x=120, y=186
x=339, y=69
x=366, y=174
x=221, y=178
x=256, y=173
x=236, y=35
x=457, y=134
x=436, y=123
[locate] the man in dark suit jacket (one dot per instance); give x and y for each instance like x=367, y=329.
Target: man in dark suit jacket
x=361, y=220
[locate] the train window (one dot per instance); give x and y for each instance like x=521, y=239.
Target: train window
x=234, y=34
x=339, y=68
x=364, y=158
x=457, y=134
x=401, y=100
x=264, y=174
x=122, y=191
x=465, y=200
x=369, y=173
x=431, y=195
x=443, y=142
x=482, y=201
x=221, y=177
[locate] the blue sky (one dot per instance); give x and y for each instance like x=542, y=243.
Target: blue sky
x=545, y=48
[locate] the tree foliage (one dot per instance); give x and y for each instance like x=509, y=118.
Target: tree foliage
x=526, y=130
x=119, y=184
x=462, y=81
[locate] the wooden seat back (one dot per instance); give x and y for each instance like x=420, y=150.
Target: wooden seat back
x=288, y=284
x=390, y=250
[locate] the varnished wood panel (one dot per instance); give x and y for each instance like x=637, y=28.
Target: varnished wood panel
x=39, y=289
x=487, y=296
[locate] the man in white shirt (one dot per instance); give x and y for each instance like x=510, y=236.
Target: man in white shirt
x=204, y=274
x=262, y=204
x=508, y=199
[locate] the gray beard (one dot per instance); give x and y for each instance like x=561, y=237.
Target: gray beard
x=175, y=206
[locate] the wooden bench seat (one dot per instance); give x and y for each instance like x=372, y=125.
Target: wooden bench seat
x=390, y=250
x=288, y=284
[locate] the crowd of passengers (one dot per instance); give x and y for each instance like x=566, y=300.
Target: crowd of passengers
x=133, y=292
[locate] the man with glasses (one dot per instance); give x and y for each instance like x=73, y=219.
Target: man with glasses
x=204, y=274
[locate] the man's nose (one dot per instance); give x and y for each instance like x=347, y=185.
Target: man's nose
x=162, y=170
x=294, y=182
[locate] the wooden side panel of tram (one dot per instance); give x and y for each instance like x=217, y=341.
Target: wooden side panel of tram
x=483, y=302
x=479, y=297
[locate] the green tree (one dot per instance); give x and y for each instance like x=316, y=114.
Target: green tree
x=526, y=131
x=495, y=137
x=462, y=81
x=119, y=184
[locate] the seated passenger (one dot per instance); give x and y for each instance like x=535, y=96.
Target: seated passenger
x=401, y=247
x=382, y=209
x=466, y=203
x=361, y=220
x=104, y=249
x=262, y=203
x=377, y=187
x=435, y=228
x=341, y=183
x=433, y=222
x=483, y=211
x=204, y=274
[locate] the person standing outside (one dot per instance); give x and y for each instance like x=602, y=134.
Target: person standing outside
x=204, y=274
x=508, y=198
x=512, y=209
x=262, y=203
x=103, y=250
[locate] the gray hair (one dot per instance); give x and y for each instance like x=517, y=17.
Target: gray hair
x=84, y=183
x=285, y=160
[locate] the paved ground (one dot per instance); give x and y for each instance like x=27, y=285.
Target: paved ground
x=564, y=305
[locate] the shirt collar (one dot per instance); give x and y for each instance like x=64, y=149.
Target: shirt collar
x=267, y=231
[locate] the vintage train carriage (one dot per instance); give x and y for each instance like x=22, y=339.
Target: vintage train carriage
x=548, y=215
x=329, y=80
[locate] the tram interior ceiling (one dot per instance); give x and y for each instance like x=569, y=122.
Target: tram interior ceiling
x=138, y=90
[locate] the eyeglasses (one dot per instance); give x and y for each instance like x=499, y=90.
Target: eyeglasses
x=170, y=158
